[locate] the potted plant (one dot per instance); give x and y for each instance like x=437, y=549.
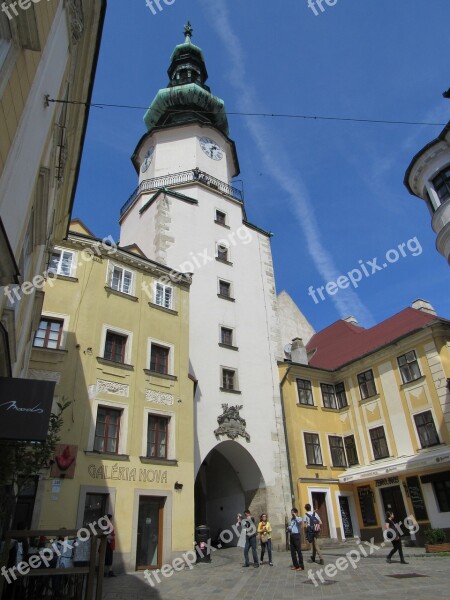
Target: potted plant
x=436, y=541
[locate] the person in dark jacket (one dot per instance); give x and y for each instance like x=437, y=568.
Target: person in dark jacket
x=396, y=539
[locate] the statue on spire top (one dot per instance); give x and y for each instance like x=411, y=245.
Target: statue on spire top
x=188, y=31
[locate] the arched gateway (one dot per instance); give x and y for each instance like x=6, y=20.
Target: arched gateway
x=228, y=481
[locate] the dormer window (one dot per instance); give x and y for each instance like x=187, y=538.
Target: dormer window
x=441, y=184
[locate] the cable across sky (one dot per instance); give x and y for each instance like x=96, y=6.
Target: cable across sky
x=262, y=114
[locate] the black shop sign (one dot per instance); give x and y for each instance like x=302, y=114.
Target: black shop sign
x=25, y=407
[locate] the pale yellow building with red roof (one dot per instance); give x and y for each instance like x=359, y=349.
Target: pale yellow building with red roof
x=367, y=415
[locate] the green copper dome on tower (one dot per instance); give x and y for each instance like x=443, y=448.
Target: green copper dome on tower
x=187, y=98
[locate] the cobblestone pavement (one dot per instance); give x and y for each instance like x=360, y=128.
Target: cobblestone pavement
x=425, y=578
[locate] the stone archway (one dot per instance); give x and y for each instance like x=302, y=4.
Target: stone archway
x=228, y=481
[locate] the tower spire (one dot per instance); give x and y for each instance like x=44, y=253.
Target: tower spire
x=187, y=98
x=188, y=31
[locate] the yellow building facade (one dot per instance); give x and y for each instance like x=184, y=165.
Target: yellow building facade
x=370, y=433
x=113, y=335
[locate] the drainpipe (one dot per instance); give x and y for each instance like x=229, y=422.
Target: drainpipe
x=285, y=432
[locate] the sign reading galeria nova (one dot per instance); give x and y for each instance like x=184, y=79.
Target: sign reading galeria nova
x=25, y=406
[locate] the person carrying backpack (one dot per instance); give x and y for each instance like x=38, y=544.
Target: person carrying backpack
x=313, y=523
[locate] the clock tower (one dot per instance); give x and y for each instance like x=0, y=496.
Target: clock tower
x=187, y=214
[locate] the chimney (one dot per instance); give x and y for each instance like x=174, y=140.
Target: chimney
x=424, y=306
x=298, y=352
x=352, y=320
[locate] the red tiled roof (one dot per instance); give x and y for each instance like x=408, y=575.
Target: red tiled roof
x=342, y=342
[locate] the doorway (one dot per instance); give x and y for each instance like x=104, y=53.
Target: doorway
x=393, y=501
x=23, y=512
x=149, y=545
x=319, y=504
x=346, y=517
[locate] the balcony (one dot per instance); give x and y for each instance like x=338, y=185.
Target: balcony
x=178, y=179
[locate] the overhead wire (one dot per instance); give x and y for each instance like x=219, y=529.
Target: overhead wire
x=260, y=114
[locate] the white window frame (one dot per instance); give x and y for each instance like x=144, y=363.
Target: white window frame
x=400, y=368
x=219, y=279
x=222, y=244
x=171, y=449
x=383, y=425
x=171, y=347
x=109, y=282
x=332, y=465
x=172, y=295
x=216, y=210
x=123, y=430
x=323, y=464
x=61, y=317
x=233, y=334
x=119, y=331
x=73, y=262
x=299, y=402
x=433, y=416
x=235, y=379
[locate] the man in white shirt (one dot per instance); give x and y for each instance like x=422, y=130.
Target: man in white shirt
x=295, y=528
x=312, y=519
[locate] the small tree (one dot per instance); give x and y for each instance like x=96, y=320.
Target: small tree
x=22, y=462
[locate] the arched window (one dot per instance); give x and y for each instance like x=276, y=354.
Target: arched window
x=441, y=184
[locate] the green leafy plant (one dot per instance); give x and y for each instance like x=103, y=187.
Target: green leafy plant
x=435, y=536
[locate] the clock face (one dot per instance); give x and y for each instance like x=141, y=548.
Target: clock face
x=147, y=159
x=211, y=148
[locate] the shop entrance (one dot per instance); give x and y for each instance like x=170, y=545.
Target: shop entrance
x=149, y=534
x=346, y=517
x=320, y=506
x=393, y=501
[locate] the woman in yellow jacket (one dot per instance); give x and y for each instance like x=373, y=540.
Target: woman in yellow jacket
x=265, y=530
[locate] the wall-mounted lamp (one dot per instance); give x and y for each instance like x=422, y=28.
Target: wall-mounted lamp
x=178, y=486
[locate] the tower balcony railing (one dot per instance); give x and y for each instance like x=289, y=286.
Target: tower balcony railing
x=176, y=179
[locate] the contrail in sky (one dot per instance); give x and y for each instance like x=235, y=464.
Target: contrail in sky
x=278, y=166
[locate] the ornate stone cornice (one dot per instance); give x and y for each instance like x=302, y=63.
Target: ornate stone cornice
x=76, y=19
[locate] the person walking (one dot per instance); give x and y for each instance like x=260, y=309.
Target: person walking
x=248, y=525
x=294, y=529
x=313, y=523
x=265, y=531
x=396, y=541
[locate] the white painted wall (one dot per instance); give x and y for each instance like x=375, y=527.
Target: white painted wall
x=437, y=519
x=189, y=231
x=30, y=150
x=25, y=156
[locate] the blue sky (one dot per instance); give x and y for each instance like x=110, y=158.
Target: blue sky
x=331, y=192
